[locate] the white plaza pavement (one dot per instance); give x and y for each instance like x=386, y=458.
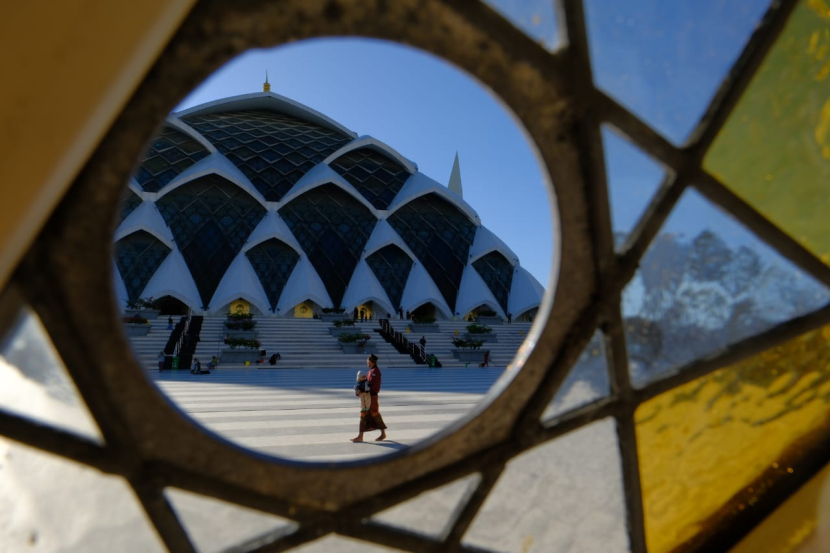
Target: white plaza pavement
x=311, y=414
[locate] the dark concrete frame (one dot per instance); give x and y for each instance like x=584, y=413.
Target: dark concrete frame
x=66, y=275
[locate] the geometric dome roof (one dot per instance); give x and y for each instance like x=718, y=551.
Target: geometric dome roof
x=258, y=188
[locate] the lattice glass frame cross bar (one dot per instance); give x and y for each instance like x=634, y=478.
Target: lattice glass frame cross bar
x=152, y=445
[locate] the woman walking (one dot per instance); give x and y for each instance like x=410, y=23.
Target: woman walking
x=371, y=420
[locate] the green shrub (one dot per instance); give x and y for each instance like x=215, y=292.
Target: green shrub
x=467, y=344
x=423, y=320
x=246, y=324
x=478, y=328
x=136, y=320
x=143, y=303
x=240, y=316
x=234, y=343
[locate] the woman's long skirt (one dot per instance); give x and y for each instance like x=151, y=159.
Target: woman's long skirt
x=371, y=419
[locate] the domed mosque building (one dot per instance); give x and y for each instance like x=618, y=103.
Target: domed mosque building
x=259, y=201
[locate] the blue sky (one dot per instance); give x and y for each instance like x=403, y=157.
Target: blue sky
x=662, y=60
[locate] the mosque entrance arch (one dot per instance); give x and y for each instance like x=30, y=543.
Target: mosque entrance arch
x=426, y=311
x=168, y=305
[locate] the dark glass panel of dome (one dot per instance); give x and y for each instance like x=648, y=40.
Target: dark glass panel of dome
x=391, y=265
x=375, y=176
x=169, y=154
x=441, y=236
x=210, y=218
x=273, y=150
x=128, y=204
x=137, y=257
x=332, y=227
x=497, y=272
x=273, y=261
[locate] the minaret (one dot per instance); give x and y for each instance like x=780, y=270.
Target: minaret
x=455, y=178
x=266, y=86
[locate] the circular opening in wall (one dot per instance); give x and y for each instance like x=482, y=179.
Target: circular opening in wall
x=311, y=206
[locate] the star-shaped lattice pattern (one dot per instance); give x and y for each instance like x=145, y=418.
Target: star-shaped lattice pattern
x=391, y=266
x=377, y=177
x=497, y=273
x=170, y=153
x=210, y=218
x=273, y=261
x=137, y=257
x=332, y=227
x=273, y=150
x=440, y=235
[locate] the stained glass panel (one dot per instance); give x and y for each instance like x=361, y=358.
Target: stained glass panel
x=239, y=525
x=799, y=525
x=586, y=382
x=50, y=504
x=633, y=179
x=273, y=261
x=342, y=544
x=497, y=273
x=34, y=382
x=391, y=266
x=704, y=283
x=712, y=447
x=774, y=150
x=536, y=18
x=273, y=150
x=332, y=227
x=563, y=496
x=210, y=218
x=432, y=512
x=440, y=235
x=170, y=153
x=665, y=60
x=377, y=177
x=138, y=256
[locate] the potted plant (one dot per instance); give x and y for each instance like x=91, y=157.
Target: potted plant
x=344, y=326
x=145, y=307
x=468, y=351
x=422, y=325
x=487, y=316
x=240, y=350
x=331, y=314
x=136, y=325
x=241, y=325
x=478, y=331
x=356, y=343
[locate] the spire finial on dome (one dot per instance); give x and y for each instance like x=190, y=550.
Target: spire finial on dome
x=455, y=178
x=266, y=86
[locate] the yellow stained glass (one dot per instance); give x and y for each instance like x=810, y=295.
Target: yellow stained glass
x=800, y=525
x=774, y=150
x=710, y=448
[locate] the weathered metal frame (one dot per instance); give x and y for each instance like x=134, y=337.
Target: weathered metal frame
x=151, y=444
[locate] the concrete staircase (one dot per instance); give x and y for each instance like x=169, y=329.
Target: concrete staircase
x=147, y=347
x=307, y=343
x=509, y=337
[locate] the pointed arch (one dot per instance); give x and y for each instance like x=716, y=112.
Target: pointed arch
x=332, y=227
x=375, y=175
x=210, y=218
x=440, y=235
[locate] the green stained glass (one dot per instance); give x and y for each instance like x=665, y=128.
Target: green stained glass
x=713, y=447
x=774, y=150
